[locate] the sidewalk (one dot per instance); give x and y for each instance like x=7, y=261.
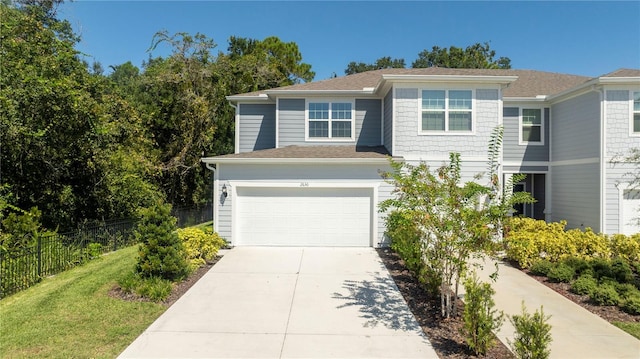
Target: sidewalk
x=576, y=332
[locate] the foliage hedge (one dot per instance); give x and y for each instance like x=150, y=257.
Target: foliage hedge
x=529, y=240
x=200, y=245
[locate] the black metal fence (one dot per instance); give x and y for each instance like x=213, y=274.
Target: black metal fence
x=54, y=253
x=50, y=254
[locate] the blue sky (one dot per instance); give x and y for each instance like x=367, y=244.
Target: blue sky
x=584, y=38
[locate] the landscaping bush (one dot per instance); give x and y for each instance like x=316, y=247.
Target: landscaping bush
x=161, y=253
x=626, y=290
x=584, y=285
x=605, y=294
x=631, y=305
x=405, y=240
x=541, y=267
x=480, y=317
x=579, y=265
x=533, y=335
x=155, y=288
x=621, y=271
x=626, y=247
x=561, y=273
x=601, y=268
x=200, y=245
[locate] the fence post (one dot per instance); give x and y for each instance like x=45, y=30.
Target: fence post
x=39, y=256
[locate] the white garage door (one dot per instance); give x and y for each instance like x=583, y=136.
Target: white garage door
x=304, y=216
x=630, y=211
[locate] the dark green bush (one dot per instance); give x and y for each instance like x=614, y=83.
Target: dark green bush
x=584, y=285
x=541, y=267
x=161, y=253
x=561, y=273
x=626, y=290
x=579, y=265
x=621, y=271
x=605, y=294
x=405, y=240
x=631, y=305
x=601, y=268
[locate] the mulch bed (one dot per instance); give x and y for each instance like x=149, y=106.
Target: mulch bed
x=444, y=334
x=608, y=313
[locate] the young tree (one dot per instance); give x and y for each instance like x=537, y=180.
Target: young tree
x=455, y=220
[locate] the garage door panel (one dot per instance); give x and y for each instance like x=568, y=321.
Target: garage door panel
x=304, y=216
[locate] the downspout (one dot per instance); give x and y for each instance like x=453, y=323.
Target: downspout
x=603, y=167
x=236, y=119
x=215, y=195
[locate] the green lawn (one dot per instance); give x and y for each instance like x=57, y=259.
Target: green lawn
x=629, y=327
x=71, y=315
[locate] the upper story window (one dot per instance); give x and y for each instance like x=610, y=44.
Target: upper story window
x=447, y=111
x=531, y=126
x=330, y=120
x=636, y=113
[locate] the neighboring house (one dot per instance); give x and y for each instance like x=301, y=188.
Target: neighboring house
x=307, y=161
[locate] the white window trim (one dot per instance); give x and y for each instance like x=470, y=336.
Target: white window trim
x=447, y=132
x=542, y=129
x=330, y=101
x=631, y=113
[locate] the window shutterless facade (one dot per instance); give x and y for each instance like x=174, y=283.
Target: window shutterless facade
x=449, y=111
x=330, y=120
x=531, y=126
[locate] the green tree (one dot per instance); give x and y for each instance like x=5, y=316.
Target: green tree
x=381, y=63
x=476, y=56
x=161, y=253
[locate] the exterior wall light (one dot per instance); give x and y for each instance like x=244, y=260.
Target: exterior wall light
x=224, y=191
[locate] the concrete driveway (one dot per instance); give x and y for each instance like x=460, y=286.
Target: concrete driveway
x=288, y=303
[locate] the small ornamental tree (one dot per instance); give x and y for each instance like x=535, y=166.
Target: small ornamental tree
x=533, y=335
x=161, y=253
x=455, y=221
x=480, y=317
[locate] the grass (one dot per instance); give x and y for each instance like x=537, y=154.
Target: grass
x=72, y=316
x=632, y=328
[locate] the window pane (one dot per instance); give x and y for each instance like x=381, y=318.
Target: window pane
x=531, y=134
x=433, y=121
x=341, y=111
x=459, y=121
x=318, y=111
x=341, y=129
x=531, y=116
x=460, y=100
x=636, y=101
x=433, y=99
x=636, y=122
x=318, y=129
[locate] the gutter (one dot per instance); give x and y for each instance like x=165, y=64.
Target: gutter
x=254, y=160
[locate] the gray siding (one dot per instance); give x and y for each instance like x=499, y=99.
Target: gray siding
x=292, y=116
x=575, y=128
x=290, y=122
x=576, y=195
x=618, y=143
x=257, y=127
x=368, y=122
x=525, y=169
x=513, y=151
x=388, y=121
x=293, y=174
x=407, y=117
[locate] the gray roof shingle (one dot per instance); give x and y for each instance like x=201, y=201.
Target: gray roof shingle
x=319, y=152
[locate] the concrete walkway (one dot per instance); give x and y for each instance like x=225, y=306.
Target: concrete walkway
x=576, y=332
x=288, y=303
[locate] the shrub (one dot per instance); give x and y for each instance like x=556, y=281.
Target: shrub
x=626, y=290
x=584, y=285
x=541, y=267
x=631, y=305
x=605, y=294
x=533, y=335
x=161, y=253
x=561, y=273
x=480, y=317
x=129, y=282
x=200, y=245
x=154, y=288
x=601, y=268
x=579, y=265
x=626, y=247
x=621, y=271
x=405, y=240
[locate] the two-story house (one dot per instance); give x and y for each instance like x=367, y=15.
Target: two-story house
x=307, y=161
